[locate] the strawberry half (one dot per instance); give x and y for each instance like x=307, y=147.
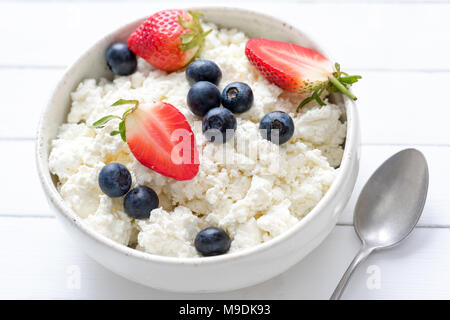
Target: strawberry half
x=298, y=69
x=169, y=39
x=159, y=137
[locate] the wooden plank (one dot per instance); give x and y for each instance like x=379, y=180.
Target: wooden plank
x=401, y=108
x=21, y=190
x=42, y=260
x=21, y=110
x=394, y=107
x=21, y=153
x=359, y=35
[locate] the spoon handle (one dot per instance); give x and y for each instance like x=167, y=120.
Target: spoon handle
x=360, y=257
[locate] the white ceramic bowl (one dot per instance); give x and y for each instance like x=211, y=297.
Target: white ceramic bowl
x=219, y=273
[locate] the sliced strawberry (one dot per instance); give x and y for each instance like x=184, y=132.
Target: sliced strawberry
x=155, y=137
x=297, y=69
x=159, y=137
x=289, y=66
x=168, y=39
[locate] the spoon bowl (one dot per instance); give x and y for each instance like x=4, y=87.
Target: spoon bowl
x=392, y=201
x=389, y=206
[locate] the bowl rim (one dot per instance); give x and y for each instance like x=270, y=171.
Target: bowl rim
x=56, y=200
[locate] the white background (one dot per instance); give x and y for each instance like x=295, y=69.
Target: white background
x=402, y=50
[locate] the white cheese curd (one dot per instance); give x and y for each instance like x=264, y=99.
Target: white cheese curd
x=253, y=189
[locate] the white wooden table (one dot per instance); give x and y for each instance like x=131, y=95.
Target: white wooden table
x=402, y=50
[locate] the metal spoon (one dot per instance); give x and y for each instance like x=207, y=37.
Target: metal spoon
x=389, y=206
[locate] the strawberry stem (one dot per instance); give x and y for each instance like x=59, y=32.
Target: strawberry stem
x=341, y=87
x=336, y=83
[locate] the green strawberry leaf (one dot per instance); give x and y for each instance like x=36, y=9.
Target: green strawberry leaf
x=122, y=131
x=188, y=25
x=129, y=111
x=102, y=122
x=349, y=79
x=123, y=101
x=304, y=102
x=195, y=15
x=337, y=66
x=187, y=37
x=204, y=34
x=315, y=96
x=192, y=44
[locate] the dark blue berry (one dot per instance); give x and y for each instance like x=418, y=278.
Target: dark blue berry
x=114, y=180
x=237, y=96
x=202, y=97
x=120, y=59
x=212, y=241
x=140, y=201
x=203, y=70
x=277, y=126
x=219, y=125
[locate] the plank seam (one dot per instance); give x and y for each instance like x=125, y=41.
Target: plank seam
x=32, y=66
x=371, y=2
x=419, y=226
x=353, y=70
x=17, y=139
x=369, y=144
x=37, y=216
x=375, y=144
x=22, y=216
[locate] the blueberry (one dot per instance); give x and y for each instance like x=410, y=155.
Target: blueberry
x=202, y=97
x=140, y=201
x=237, y=96
x=203, y=70
x=212, y=241
x=120, y=59
x=114, y=180
x=219, y=125
x=282, y=125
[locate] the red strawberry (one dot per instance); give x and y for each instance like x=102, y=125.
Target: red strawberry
x=169, y=39
x=297, y=69
x=159, y=137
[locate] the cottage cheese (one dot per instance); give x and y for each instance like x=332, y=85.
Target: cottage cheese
x=250, y=187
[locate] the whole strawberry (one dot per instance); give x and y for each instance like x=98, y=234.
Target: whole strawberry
x=169, y=39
